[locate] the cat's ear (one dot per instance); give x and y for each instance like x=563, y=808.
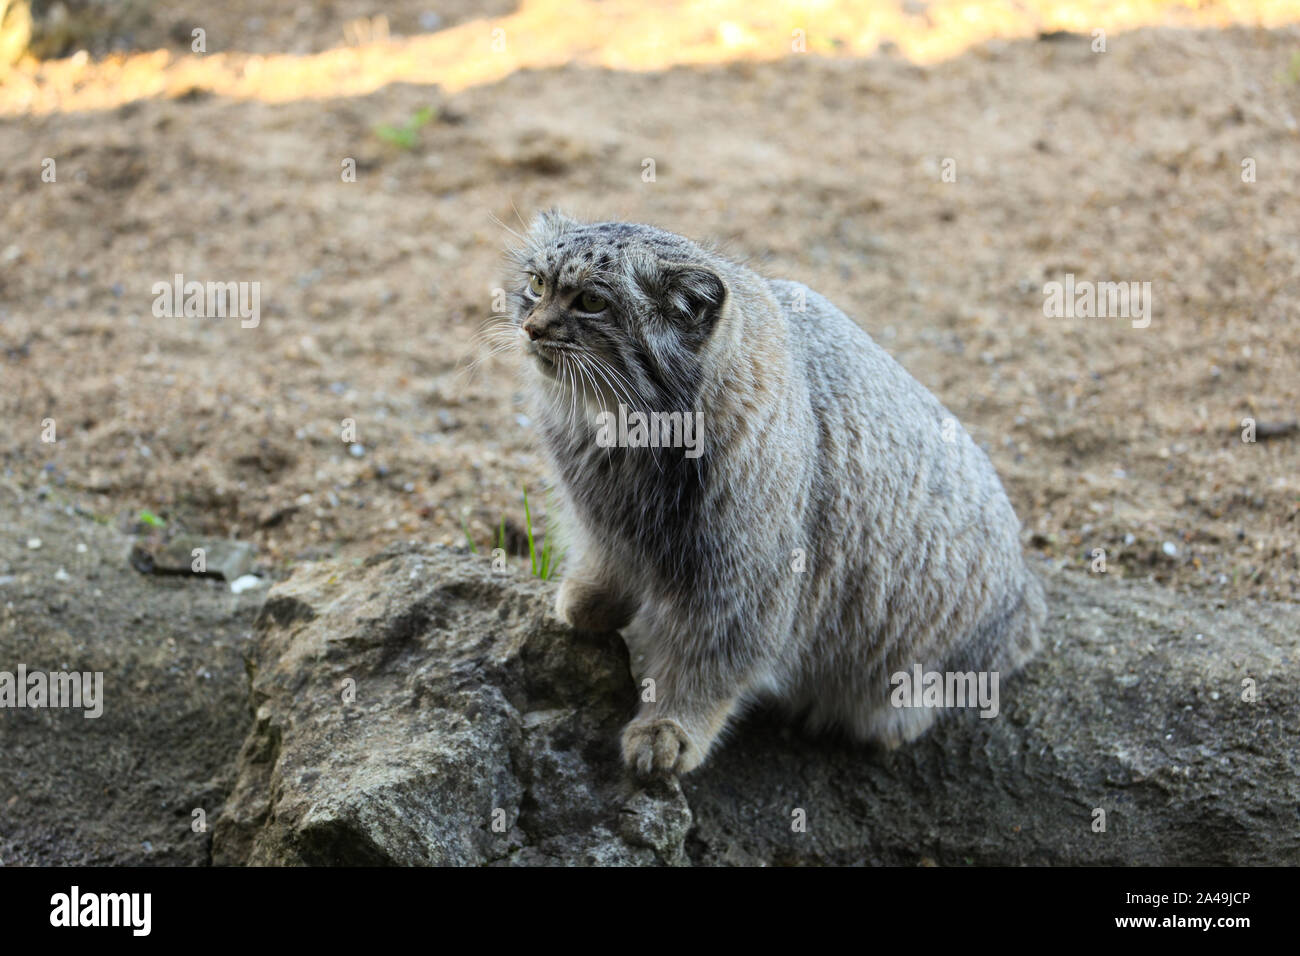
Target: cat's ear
x=692, y=295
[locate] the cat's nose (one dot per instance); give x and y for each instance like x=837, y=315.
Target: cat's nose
x=533, y=330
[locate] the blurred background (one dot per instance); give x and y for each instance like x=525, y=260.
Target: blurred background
x=929, y=166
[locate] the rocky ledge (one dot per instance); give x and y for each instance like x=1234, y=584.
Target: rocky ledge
x=422, y=708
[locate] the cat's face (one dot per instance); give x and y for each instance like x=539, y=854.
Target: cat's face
x=614, y=312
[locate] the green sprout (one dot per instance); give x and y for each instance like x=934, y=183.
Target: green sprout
x=468, y=537
x=151, y=519
x=406, y=135
x=542, y=562
x=543, y=565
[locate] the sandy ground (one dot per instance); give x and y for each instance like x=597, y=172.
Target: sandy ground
x=827, y=167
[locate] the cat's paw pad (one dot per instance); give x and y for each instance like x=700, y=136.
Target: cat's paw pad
x=659, y=746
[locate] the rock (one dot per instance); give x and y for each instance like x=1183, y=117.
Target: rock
x=228, y=560
x=245, y=582
x=483, y=731
x=273, y=516
x=15, y=34
x=1267, y=430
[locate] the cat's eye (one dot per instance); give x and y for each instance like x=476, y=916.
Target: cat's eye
x=536, y=284
x=590, y=302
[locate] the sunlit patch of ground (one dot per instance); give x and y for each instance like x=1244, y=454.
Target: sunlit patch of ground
x=620, y=34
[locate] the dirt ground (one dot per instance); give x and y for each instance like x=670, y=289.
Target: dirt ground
x=826, y=166
x=120, y=788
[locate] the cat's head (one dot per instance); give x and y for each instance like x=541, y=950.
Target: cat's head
x=616, y=308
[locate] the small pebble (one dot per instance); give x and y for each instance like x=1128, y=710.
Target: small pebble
x=34, y=544
x=1169, y=549
x=245, y=583
x=356, y=450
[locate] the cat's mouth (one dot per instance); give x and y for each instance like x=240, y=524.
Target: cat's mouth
x=545, y=362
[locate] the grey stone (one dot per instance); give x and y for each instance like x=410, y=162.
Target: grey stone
x=473, y=700
x=223, y=559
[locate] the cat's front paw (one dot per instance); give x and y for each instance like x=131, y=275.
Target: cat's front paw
x=583, y=607
x=570, y=605
x=659, y=746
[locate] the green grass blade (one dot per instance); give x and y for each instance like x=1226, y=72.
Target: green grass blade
x=546, y=558
x=465, y=526
x=528, y=522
